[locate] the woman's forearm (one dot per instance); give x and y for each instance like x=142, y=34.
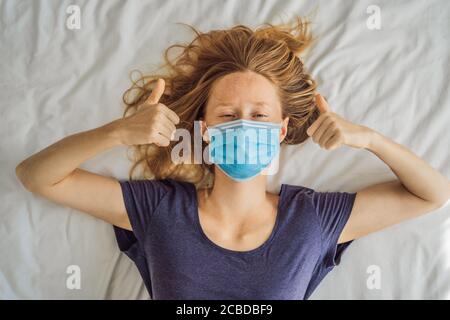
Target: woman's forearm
x=414, y=173
x=52, y=164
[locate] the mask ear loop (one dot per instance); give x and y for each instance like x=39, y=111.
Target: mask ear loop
x=206, y=137
x=274, y=165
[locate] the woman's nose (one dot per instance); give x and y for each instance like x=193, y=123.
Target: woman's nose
x=244, y=116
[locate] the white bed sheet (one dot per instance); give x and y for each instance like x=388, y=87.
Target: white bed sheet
x=55, y=82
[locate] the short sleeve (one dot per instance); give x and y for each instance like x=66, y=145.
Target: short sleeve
x=141, y=199
x=333, y=210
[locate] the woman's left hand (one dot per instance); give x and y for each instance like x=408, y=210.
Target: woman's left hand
x=331, y=131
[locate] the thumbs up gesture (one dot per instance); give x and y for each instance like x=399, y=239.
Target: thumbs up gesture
x=152, y=123
x=330, y=131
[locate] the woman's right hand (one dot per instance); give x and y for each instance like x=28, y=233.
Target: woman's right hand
x=152, y=123
x=54, y=172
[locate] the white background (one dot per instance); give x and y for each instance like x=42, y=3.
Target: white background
x=55, y=82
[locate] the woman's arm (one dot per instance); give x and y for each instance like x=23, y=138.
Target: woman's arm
x=53, y=172
x=419, y=188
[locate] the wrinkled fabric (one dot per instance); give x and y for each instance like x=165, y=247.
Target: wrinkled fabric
x=177, y=260
x=55, y=81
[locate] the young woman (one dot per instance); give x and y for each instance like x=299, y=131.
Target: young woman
x=211, y=230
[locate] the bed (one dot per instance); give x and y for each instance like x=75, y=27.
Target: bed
x=60, y=75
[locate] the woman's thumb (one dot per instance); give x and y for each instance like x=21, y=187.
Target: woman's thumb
x=157, y=92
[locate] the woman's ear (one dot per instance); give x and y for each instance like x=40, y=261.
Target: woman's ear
x=284, y=128
x=204, y=131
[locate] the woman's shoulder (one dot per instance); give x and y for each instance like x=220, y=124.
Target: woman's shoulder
x=291, y=190
x=306, y=191
x=160, y=186
x=323, y=201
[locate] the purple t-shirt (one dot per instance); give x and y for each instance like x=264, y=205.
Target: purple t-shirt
x=178, y=261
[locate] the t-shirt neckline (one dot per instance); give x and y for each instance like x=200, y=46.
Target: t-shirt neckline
x=256, y=250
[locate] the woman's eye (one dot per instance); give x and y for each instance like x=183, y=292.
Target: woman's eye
x=260, y=115
x=226, y=115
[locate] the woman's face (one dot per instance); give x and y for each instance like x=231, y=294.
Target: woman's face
x=244, y=95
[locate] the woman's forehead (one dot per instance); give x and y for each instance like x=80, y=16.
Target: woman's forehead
x=239, y=88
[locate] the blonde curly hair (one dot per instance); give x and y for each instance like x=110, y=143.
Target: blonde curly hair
x=270, y=51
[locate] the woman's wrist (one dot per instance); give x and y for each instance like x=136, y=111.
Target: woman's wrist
x=111, y=132
x=374, y=138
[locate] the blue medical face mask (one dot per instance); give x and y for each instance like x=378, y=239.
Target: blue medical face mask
x=243, y=148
